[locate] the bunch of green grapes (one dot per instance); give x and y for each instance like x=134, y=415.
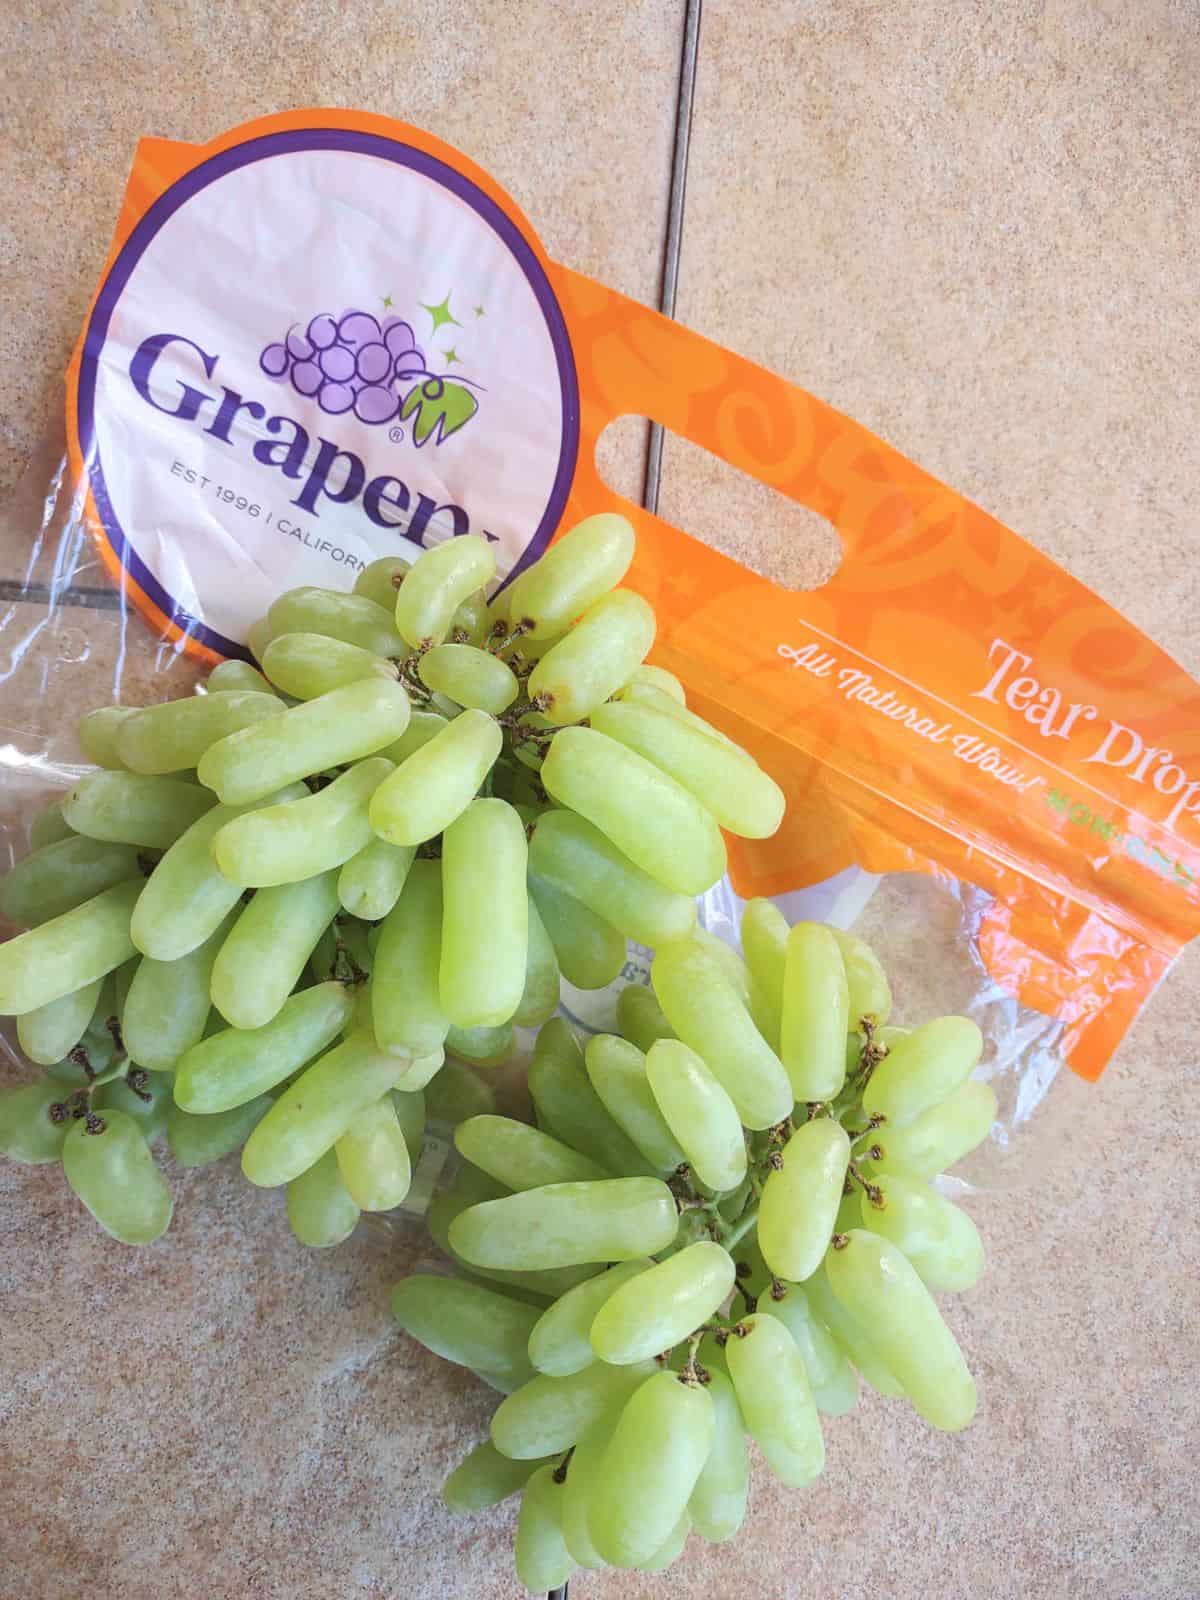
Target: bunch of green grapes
x=275, y=906
x=722, y=1221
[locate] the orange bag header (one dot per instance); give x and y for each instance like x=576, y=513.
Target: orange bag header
x=950, y=701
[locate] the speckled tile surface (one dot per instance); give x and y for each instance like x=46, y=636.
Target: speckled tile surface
x=973, y=227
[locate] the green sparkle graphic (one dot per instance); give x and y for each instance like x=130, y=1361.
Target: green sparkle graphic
x=440, y=314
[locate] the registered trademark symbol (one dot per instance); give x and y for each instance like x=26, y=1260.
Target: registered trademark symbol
x=396, y=434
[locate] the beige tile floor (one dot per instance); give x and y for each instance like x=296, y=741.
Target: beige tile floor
x=972, y=226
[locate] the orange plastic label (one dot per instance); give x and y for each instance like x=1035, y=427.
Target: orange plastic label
x=950, y=701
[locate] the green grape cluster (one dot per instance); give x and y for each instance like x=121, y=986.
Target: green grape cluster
x=722, y=1221
x=273, y=908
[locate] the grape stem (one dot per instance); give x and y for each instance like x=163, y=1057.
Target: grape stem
x=738, y=1230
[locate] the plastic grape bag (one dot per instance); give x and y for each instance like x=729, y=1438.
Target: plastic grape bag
x=327, y=336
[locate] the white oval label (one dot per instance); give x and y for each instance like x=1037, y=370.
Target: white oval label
x=317, y=348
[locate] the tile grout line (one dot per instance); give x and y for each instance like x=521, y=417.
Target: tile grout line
x=670, y=277
x=675, y=212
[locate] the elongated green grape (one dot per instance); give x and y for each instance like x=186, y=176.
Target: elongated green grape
x=671, y=1548
x=470, y=622
x=875, y=1282
x=168, y=1004
x=300, y=838
x=574, y=573
x=28, y=1133
x=108, y=1164
x=764, y=942
x=726, y=781
x=800, y=1200
x=306, y=665
x=856, y=1338
x=660, y=826
x=485, y=1478
x=198, y=1141
x=406, y=1007
x=380, y=579
x=49, y=826
x=640, y=1017
x=595, y=658
x=816, y=1009
x=543, y=981
x=923, y=1068
x=717, y=1505
x=824, y=1362
x=147, y=1106
x=237, y=677
x=539, y=1551
x=839, y=1395
x=456, y=1094
x=263, y=956
x=485, y=915
x=134, y=808
x=654, y=699
x=708, y=1015
x=471, y=1187
x=410, y=1113
x=650, y=1468
x=568, y=1107
x=68, y=952
x=320, y=1210
x=870, y=993
x=648, y=677
x=775, y=1397
x=187, y=897
x=582, y=1476
x=422, y=727
x=98, y=732
x=336, y=728
x=311, y=1115
x=521, y=1157
x=943, y=1134
x=236, y=1065
x=662, y=1305
x=698, y=1112
x=352, y=618
x=437, y=583
x=469, y=676
x=63, y=875
x=484, y=1046
x=726, y=958
x=467, y=1323
x=568, y=1224
x=617, y=1071
x=258, y=636
x=560, y=1342
x=437, y=783
x=547, y=1415
x=590, y=951
x=939, y=1239
x=48, y=1033
x=370, y=882
x=569, y=852
x=172, y=737
x=373, y=1158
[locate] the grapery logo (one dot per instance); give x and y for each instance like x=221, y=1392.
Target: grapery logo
x=374, y=368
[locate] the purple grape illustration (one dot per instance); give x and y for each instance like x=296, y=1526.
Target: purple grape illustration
x=306, y=377
x=275, y=361
x=355, y=362
x=322, y=331
x=374, y=362
x=337, y=363
x=298, y=346
x=398, y=336
x=358, y=327
x=335, y=398
x=375, y=404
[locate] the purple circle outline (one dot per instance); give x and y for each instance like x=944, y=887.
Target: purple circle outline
x=263, y=148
